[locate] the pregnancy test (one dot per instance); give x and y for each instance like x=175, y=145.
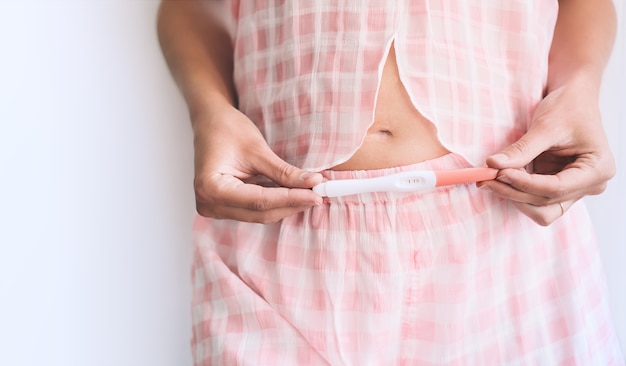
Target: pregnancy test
x=411, y=181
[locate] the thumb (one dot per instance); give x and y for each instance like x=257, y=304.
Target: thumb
x=523, y=151
x=285, y=174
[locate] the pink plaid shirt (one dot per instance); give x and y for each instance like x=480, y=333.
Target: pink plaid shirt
x=307, y=72
x=453, y=276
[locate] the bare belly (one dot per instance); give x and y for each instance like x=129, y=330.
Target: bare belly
x=400, y=135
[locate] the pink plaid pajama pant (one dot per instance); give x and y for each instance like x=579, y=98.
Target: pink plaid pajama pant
x=453, y=276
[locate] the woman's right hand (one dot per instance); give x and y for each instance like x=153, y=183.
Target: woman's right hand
x=229, y=149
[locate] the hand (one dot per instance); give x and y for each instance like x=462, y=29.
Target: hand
x=229, y=149
x=563, y=157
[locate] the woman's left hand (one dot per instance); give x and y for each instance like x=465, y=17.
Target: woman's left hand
x=563, y=157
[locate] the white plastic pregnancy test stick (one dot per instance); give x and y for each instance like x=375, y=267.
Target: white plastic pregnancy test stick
x=412, y=181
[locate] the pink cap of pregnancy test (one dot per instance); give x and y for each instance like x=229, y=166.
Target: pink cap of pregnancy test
x=464, y=176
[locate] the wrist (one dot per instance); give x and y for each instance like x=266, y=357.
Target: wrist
x=586, y=79
x=208, y=107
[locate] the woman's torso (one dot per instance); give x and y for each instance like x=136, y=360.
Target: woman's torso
x=400, y=134
x=310, y=75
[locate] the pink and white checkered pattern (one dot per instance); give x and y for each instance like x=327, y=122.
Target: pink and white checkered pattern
x=307, y=72
x=449, y=277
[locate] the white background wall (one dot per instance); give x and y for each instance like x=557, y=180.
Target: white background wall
x=95, y=188
x=609, y=209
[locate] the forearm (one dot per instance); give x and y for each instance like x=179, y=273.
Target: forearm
x=583, y=40
x=199, y=54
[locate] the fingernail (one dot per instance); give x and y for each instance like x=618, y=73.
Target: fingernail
x=503, y=179
x=307, y=175
x=318, y=201
x=500, y=157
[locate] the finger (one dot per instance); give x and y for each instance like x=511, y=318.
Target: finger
x=242, y=214
x=523, y=151
x=572, y=181
x=508, y=192
x=285, y=174
x=544, y=215
x=224, y=190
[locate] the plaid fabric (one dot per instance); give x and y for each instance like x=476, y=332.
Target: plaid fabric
x=453, y=276
x=307, y=72
x=449, y=277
